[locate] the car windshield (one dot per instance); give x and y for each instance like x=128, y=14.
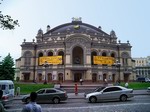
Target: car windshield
x=98, y=89
x=61, y=89
x=41, y=91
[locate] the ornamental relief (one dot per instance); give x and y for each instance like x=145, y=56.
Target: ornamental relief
x=78, y=40
x=67, y=50
x=88, y=51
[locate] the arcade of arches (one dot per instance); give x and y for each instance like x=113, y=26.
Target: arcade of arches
x=78, y=72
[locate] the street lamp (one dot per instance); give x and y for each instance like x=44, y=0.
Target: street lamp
x=118, y=64
x=45, y=65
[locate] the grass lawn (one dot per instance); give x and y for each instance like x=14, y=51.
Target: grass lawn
x=137, y=85
x=27, y=88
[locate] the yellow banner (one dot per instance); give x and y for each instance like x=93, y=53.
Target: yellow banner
x=103, y=60
x=50, y=60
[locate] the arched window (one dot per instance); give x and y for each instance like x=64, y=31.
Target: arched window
x=113, y=55
x=77, y=54
x=104, y=54
x=61, y=53
x=50, y=53
x=40, y=55
x=92, y=57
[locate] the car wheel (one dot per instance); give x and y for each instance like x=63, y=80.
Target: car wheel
x=123, y=98
x=93, y=99
x=27, y=100
x=56, y=100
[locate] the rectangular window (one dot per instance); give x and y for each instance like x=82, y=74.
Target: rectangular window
x=3, y=87
x=100, y=77
x=126, y=61
x=110, y=77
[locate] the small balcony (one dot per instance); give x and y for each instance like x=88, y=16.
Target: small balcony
x=78, y=67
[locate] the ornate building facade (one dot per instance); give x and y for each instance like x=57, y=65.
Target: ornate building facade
x=77, y=43
x=142, y=66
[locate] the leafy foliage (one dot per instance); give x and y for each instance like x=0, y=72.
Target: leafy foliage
x=6, y=22
x=7, y=70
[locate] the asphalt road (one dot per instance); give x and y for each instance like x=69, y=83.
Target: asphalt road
x=140, y=103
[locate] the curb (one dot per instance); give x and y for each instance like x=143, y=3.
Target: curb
x=141, y=94
x=80, y=97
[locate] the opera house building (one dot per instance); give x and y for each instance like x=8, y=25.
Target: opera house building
x=74, y=51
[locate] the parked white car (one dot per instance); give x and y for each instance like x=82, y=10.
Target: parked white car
x=7, y=86
x=110, y=93
x=147, y=80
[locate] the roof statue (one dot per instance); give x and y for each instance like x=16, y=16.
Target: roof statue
x=76, y=19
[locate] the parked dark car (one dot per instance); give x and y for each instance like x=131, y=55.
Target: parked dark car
x=109, y=93
x=47, y=95
x=143, y=79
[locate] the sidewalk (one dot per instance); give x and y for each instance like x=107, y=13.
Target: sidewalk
x=81, y=95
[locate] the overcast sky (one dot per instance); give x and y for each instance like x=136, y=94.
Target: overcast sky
x=130, y=19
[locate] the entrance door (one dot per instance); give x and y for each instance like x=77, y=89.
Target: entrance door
x=26, y=76
x=60, y=77
x=126, y=77
x=94, y=76
x=77, y=77
x=40, y=77
x=49, y=77
x=104, y=77
x=113, y=78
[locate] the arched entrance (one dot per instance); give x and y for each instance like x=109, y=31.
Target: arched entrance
x=104, y=77
x=113, y=77
x=77, y=77
x=94, y=77
x=126, y=77
x=49, y=77
x=77, y=55
x=40, y=77
x=26, y=76
x=60, y=77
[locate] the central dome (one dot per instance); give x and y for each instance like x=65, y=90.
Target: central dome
x=76, y=27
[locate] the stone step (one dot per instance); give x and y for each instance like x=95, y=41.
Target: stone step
x=80, y=90
x=79, y=86
x=70, y=88
x=83, y=86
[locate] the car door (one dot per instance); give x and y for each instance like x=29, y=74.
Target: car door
x=117, y=91
x=106, y=93
x=111, y=93
x=50, y=94
x=40, y=95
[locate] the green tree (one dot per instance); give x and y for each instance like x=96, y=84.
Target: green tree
x=6, y=22
x=7, y=70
